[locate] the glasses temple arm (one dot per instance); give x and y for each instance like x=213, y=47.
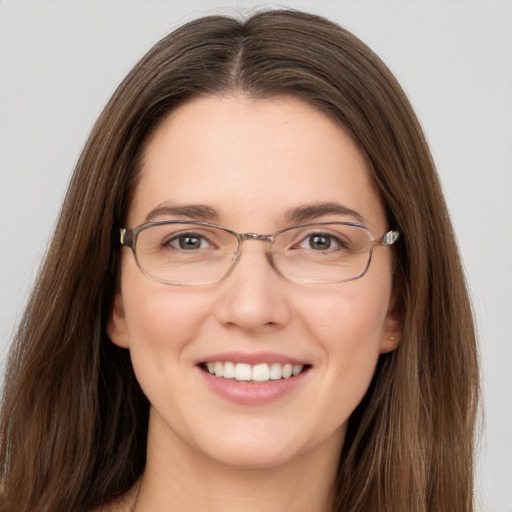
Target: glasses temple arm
x=389, y=238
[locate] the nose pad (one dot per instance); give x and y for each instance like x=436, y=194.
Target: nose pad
x=253, y=294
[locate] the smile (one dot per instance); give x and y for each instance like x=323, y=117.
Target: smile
x=253, y=373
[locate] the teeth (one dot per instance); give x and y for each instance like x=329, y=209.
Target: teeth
x=242, y=371
x=219, y=369
x=276, y=371
x=287, y=371
x=229, y=370
x=260, y=372
x=257, y=373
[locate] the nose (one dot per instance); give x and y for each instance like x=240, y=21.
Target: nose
x=254, y=296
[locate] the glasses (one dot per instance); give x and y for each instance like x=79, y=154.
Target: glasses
x=194, y=253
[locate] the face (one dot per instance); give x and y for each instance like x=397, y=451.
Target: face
x=247, y=164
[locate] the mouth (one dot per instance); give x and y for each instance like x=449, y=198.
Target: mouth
x=258, y=373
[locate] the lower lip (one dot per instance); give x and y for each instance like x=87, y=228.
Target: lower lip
x=252, y=393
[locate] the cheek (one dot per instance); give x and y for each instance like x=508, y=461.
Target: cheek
x=163, y=325
x=154, y=312
x=159, y=317
x=354, y=316
x=161, y=321
x=348, y=328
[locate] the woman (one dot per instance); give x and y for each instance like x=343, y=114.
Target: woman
x=253, y=298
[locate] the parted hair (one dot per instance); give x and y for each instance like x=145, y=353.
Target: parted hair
x=73, y=418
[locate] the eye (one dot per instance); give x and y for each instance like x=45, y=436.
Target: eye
x=320, y=242
x=187, y=242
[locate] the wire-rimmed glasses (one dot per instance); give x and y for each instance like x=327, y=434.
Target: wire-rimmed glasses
x=183, y=252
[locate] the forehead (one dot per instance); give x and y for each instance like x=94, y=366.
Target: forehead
x=252, y=161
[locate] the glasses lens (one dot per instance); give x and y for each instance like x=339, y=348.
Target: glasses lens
x=323, y=252
x=185, y=253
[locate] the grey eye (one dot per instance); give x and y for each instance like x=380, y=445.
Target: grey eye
x=188, y=242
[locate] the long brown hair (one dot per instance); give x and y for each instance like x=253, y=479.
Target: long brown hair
x=74, y=420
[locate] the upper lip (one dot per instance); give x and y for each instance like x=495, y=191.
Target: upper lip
x=252, y=358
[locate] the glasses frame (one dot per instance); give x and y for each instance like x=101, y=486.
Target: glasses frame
x=128, y=238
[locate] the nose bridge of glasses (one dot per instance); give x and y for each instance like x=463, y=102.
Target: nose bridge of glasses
x=242, y=237
x=255, y=236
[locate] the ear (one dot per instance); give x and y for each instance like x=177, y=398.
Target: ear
x=393, y=325
x=116, y=326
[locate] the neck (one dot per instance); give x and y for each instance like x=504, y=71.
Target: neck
x=185, y=480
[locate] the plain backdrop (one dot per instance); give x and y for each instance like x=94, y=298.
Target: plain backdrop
x=61, y=60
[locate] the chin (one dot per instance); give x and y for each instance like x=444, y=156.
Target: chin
x=268, y=446
x=251, y=456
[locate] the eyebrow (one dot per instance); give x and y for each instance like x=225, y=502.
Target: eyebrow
x=189, y=211
x=297, y=215
x=313, y=211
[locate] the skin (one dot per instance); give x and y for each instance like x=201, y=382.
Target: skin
x=251, y=161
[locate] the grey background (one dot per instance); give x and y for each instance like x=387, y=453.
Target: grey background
x=61, y=60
